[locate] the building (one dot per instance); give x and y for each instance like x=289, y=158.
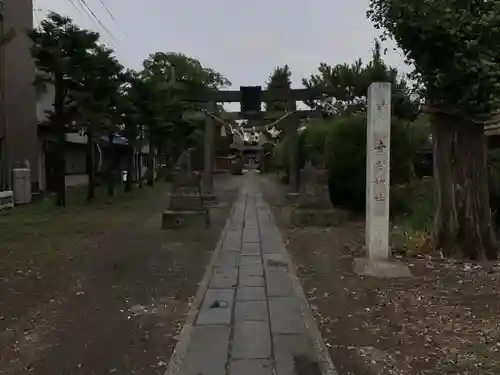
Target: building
x=18, y=118
x=108, y=156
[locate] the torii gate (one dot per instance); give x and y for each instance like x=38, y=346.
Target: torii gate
x=251, y=98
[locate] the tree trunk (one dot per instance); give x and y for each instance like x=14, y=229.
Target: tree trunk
x=90, y=166
x=151, y=156
x=463, y=224
x=111, y=167
x=139, y=158
x=61, y=141
x=151, y=172
x=130, y=169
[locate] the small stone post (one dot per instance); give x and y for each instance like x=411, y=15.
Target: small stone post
x=378, y=141
x=209, y=153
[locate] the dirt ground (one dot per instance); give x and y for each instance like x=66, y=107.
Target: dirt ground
x=445, y=320
x=117, y=306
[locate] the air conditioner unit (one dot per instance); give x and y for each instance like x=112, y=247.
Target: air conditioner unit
x=6, y=199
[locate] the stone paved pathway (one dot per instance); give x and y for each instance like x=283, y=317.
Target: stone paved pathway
x=250, y=316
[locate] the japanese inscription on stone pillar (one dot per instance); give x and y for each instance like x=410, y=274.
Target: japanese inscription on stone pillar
x=377, y=170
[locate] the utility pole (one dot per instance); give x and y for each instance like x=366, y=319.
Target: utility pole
x=5, y=38
x=4, y=168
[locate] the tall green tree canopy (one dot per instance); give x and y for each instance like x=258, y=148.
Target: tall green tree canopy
x=177, y=77
x=62, y=51
x=280, y=78
x=454, y=49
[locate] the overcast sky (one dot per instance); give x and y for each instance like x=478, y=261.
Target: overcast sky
x=244, y=40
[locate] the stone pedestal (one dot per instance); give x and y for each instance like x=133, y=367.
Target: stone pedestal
x=209, y=200
x=381, y=268
x=292, y=198
x=236, y=167
x=312, y=203
x=177, y=219
x=186, y=201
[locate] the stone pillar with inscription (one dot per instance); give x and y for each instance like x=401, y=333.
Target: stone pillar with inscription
x=209, y=156
x=292, y=144
x=378, y=139
x=377, y=229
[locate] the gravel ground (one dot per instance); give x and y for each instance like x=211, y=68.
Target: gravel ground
x=118, y=306
x=445, y=320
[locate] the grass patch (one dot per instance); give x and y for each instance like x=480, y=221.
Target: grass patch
x=40, y=234
x=414, y=216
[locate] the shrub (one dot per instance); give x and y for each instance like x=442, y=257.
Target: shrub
x=279, y=155
x=314, y=140
x=346, y=159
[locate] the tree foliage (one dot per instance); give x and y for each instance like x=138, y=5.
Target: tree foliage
x=67, y=58
x=95, y=94
x=176, y=77
x=454, y=48
x=347, y=85
x=279, y=79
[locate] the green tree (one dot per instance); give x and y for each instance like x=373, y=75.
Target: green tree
x=97, y=100
x=60, y=49
x=279, y=79
x=456, y=54
x=177, y=78
x=129, y=107
x=347, y=85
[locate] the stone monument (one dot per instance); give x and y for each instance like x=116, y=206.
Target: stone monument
x=378, y=141
x=186, y=199
x=236, y=167
x=313, y=206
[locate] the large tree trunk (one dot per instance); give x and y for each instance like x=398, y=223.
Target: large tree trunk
x=61, y=141
x=130, y=169
x=112, y=166
x=139, y=159
x=151, y=160
x=90, y=166
x=463, y=224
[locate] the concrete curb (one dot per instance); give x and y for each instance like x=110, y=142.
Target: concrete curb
x=320, y=348
x=179, y=352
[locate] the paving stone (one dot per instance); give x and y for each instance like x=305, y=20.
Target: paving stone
x=225, y=249
x=287, y=347
x=247, y=260
x=270, y=248
x=252, y=269
x=250, y=280
x=275, y=261
x=251, y=236
x=217, y=307
x=271, y=244
x=251, y=310
x=250, y=248
x=202, y=356
x=252, y=340
x=251, y=367
x=224, y=278
x=232, y=239
x=286, y=316
x=279, y=283
x=227, y=259
x=250, y=293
